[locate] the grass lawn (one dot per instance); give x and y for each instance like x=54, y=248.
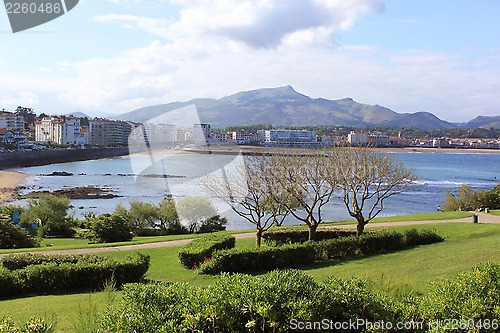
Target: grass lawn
x=495, y=212
x=466, y=245
x=79, y=243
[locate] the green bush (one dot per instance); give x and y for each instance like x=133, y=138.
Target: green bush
x=242, y=303
x=22, y=260
x=109, y=228
x=33, y=325
x=13, y=237
x=295, y=255
x=285, y=236
x=200, y=249
x=473, y=295
x=53, y=276
x=467, y=199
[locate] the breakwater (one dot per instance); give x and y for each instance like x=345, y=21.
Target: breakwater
x=46, y=157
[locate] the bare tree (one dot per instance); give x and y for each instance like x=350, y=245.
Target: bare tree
x=246, y=188
x=305, y=176
x=367, y=178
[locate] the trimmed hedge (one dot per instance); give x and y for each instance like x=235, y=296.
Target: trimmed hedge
x=52, y=277
x=277, y=301
x=290, y=236
x=200, y=249
x=295, y=255
x=242, y=303
x=20, y=261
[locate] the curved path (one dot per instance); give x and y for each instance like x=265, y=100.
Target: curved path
x=483, y=218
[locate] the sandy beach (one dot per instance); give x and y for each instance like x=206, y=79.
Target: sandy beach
x=8, y=182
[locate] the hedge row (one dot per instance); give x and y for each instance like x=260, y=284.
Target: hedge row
x=295, y=255
x=242, y=303
x=288, y=236
x=19, y=261
x=53, y=277
x=198, y=250
x=280, y=301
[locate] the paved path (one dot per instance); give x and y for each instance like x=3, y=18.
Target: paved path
x=483, y=218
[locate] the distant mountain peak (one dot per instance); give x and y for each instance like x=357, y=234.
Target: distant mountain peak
x=284, y=106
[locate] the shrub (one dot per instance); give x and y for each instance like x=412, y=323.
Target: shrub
x=109, y=228
x=286, y=236
x=51, y=211
x=198, y=250
x=471, y=295
x=13, y=237
x=56, y=276
x=22, y=260
x=33, y=325
x=295, y=255
x=213, y=224
x=242, y=303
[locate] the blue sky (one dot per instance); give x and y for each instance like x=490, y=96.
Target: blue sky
x=112, y=56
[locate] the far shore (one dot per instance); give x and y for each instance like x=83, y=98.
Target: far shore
x=234, y=149
x=9, y=180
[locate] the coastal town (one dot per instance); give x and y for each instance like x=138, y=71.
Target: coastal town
x=23, y=131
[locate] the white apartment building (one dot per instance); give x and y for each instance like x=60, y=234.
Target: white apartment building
x=379, y=140
x=59, y=130
x=287, y=137
x=10, y=137
x=161, y=133
x=202, y=133
x=9, y=120
x=357, y=138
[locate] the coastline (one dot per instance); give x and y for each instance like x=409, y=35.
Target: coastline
x=45, y=157
x=233, y=149
x=9, y=180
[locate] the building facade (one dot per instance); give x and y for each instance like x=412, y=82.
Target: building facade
x=106, y=132
x=287, y=137
x=202, y=133
x=357, y=138
x=59, y=130
x=11, y=121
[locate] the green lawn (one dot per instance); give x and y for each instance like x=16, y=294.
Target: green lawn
x=466, y=245
x=80, y=243
x=495, y=212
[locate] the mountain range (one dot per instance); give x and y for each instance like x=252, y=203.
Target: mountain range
x=283, y=106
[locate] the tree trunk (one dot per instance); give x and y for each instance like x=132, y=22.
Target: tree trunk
x=360, y=228
x=312, y=231
x=258, y=237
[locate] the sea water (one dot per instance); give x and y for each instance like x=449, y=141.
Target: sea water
x=152, y=178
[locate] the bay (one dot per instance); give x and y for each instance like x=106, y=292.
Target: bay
x=150, y=178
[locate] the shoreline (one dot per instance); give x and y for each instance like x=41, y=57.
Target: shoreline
x=9, y=181
x=233, y=149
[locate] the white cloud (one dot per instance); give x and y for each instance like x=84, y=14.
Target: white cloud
x=259, y=23
x=151, y=25
x=216, y=48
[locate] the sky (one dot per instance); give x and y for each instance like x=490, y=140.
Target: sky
x=113, y=56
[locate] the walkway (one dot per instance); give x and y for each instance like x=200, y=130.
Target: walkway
x=483, y=219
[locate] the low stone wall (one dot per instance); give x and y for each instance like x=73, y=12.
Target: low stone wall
x=45, y=157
